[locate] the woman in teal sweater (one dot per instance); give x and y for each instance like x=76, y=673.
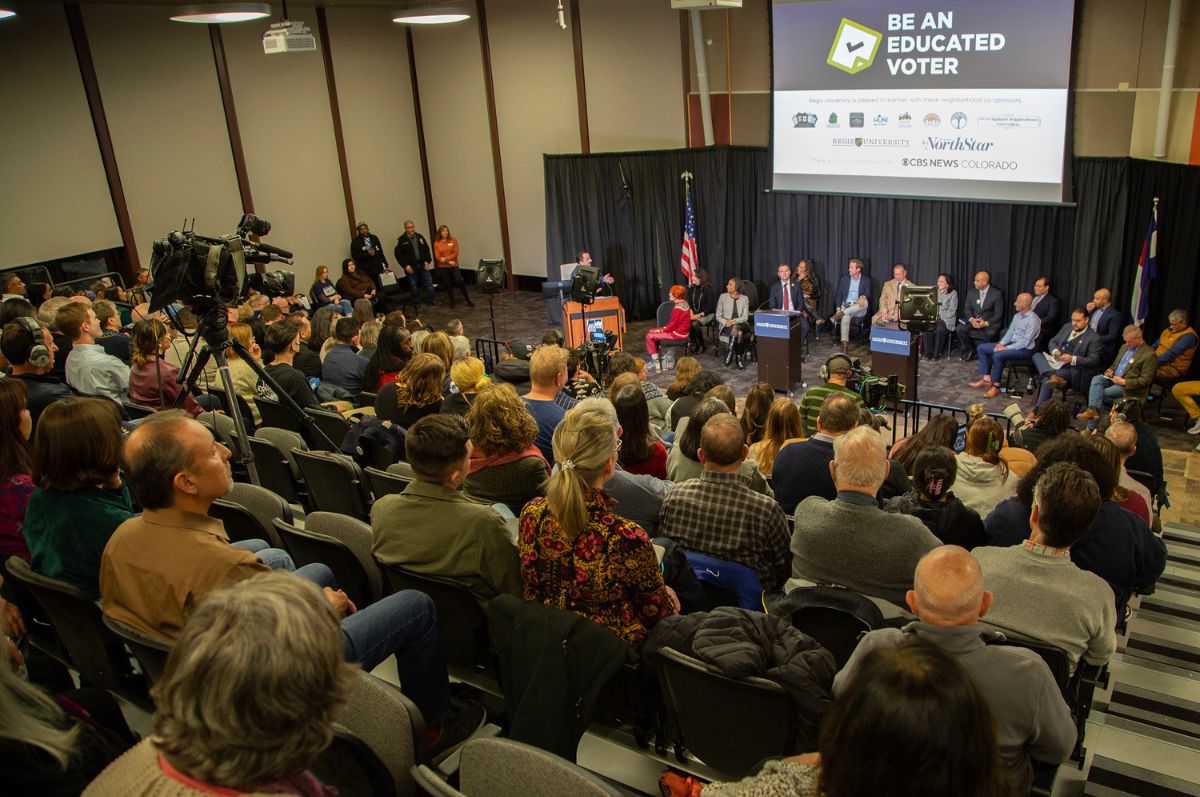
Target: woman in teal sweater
x=80, y=498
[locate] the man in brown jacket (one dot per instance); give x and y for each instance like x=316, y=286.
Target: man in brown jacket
x=889, y=299
x=1130, y=377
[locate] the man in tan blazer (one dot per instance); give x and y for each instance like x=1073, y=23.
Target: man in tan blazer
x=889, y=300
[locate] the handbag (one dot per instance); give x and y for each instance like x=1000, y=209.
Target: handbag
x=387, y=279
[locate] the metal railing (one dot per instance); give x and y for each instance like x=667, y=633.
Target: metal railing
x=907, y=417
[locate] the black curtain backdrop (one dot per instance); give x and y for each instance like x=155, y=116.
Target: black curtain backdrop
x=627, y=208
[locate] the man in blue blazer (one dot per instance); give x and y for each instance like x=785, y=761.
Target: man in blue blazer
x=983, y=315
x=854, y=292
x=1045, y=305
x=785, y=294
x=1107, y=322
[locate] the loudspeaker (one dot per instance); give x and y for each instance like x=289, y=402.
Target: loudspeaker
x=491, y=276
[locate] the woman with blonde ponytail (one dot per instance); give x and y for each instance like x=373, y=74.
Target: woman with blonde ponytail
x=576, y=554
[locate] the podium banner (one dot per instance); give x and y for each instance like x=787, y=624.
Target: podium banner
x=890, y=340
x=773, y=324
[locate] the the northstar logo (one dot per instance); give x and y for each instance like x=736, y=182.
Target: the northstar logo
x=959, y=143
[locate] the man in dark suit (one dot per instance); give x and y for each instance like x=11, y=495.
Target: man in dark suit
x=1077, y=346
x=367, y=252
x=853, y=298
x=1106, y=321
x=785, y=294
x=604, y=284
x=412, y=252
x=983, y=315
x=1045, y=305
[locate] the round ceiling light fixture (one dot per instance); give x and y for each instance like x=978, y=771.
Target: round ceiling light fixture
x=432, y=15
x=5, y=13
x=221, y=13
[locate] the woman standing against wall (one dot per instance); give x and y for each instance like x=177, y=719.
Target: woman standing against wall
x=445, y=257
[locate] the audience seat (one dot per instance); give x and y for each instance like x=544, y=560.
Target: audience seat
x=334, y=426
x=663, y=317
x=355, y=535
x=727, y=583
x=401, y=469
x=136, y=411
x=275, y=414
x=277, y=471
x=493, y=767
x=248, y=511
x=834, y=616
x=310, y=547
x=729, y=724
x=150, y=651
x=429, y=782
x=384, y=483
x=243, y=407
x=335, y=483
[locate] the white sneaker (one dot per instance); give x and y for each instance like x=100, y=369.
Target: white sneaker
x=1195, y=427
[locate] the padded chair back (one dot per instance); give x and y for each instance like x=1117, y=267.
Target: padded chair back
x=462, y=624
x=227, y=402
x=286, y=441
x=729, y=724
x=333, y=424
x=428, y=781
x=493, y=767
x=150, y=651
x=834, y=616
x=264, y=505
x=222, y=427
x=749, y=289
x=355, y=535
x=663, y=314
x=275, y=414
x=388, y=724
x=1055, y=657
x=384, y=483
x=349, y=765
x=366, y=399
x=335, y=483
x=726, y=583
x=275, y=471
x=401, y=469
x=136, y=411
x=309, y=547
x=92, y=649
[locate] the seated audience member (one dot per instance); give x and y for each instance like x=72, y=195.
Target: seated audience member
x=755, y=409
x=693, y=393
x=686, y=369
x=889, y=296
x=393, y=353
x=1123, y=497
x=417, y=392
x=1075, y=350
x=1147, y=454
x=1037, y=590
x=30, y=350
x=849, y=540
x=363, y=311
x=580, y=384
x=912, y=716
x=16, y=468
x=678, y=326
x=940, y=431
x=1175, y=348
x=506, y=467
x=1129, y=377
x=933, y=502
x=982, y=310
x=802, y=469
x=80, y=498
x=1032, y=719
x=283, y=341
x=1048, y=420
x=641, y=451
x=718, y=515
x=154, y=382
x=354, y=284
x=158, y=568
x=468, y=378
x=724, y=394
x=625, y=363
x=323, y=293
x=1124, y=436
x=307, y=359
x=684, y=463
x=1118, y=546
x=90, y=369
x=438, y=343
x=248, y=697
x=1106, y=321
x=513, y=367
x=343, y=367
x=111, y=339
x=547, y=373
x=983, y=478
x=368, y=339
x=432, y=528
x=1017, y=345
x=176, y=354
x=835, y=373
x=784, y=426
x=576, y=553
x=245, y=380
x=14, y=287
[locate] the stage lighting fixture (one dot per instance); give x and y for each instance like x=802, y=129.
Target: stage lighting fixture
x=221, y=13
x=432, y=15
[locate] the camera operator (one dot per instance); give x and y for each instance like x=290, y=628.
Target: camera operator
x=836, y=373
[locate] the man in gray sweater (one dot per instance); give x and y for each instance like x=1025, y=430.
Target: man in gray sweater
x=1032, y=719
x=1039, y=592
x=850, y=541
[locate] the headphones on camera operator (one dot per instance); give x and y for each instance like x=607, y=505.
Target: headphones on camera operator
x=827, y=368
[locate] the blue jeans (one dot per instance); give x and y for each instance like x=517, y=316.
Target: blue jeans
x=421, y=278
x=992, y=362
x=278, y=559
x=1101, y=391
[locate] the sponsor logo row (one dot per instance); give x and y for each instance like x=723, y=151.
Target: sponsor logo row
x=981, y=164
x=957, y=120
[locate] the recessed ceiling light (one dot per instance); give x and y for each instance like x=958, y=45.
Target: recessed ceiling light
x=221, y=13
x=5, y=13
x=433, y=15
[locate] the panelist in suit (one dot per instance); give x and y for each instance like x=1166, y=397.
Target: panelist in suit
x=983, y=314
x=1106, y=321
x=367, y=252
x=785, y=294
x=1045, y=304
x=1077, y=346
x=604, y=284
x=889, y=298
x=853, y=298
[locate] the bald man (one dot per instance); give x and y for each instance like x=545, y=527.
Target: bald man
x=982, y=310
x=1017, y=345
x=1032, y=720
x=1106, y=321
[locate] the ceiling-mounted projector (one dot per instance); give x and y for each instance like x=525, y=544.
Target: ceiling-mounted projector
x=289, y=36
x=687, y=5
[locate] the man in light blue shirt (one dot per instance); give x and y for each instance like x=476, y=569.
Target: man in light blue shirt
x=1017, y=345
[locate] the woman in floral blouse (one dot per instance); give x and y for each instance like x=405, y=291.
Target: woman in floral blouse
x=576, y=553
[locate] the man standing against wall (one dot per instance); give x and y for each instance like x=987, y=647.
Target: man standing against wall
x=367, y=251
x=412, y=252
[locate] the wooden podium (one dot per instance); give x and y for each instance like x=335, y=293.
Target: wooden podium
x=780, y=338
x=894, y=351
x=605, y=314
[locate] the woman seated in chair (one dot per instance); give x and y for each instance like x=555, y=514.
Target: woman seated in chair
x=245, y=380
x=684, y=460
x=703, y=303
x=932, y=501
x=323, y=293
x=677, y=328
x=417, y=392
x=353, y=284
x=394, y=351
x=576, y=553
x=247, y=699
x=468, y=378
x=16, y=467
x=733, y=322
x=783, y=427
x=754, y=411
x=641, y=450
x=153, y=381
x=80, y=497
x=506, y=467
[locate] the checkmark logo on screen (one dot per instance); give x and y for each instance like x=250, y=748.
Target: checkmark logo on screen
x=854, y=47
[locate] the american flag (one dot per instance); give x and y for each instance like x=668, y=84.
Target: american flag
x=689, y=261
x=1139, y=306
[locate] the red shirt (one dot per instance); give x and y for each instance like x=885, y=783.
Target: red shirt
x=680, y=323
x=653, y=465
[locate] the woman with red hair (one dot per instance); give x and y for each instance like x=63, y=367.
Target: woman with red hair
x=676, y=329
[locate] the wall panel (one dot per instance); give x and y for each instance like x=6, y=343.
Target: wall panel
x=55, y=200
x=167, y=124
